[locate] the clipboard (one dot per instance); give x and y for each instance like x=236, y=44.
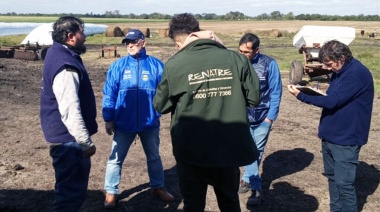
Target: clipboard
x=310, y=91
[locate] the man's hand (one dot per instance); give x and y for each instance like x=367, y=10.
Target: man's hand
x=110, y=129
x=268, y=120
x=89, y=152
x=293, y=90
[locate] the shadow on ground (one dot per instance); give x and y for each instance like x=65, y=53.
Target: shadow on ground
x=135, y=199
x=281, y=197
x=367, y=181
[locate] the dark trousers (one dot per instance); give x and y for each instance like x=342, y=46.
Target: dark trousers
x=71, y=177
x=340, y=163
x=193, y=182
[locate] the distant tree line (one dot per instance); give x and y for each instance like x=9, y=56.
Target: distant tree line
x=275, y=15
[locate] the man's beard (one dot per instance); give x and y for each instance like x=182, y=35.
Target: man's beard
x=78, y=49
x=81, y=49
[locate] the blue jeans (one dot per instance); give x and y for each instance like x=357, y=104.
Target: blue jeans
x=340, y=163
x=260, y=134
x=71, y=176
x=120, y=145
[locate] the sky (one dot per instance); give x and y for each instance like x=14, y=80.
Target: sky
x=171, y=7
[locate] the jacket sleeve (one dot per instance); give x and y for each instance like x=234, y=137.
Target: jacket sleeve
x=251, y=85
x=162, y=102
x=275, y=86
x=337, y=96
x=110, y=93
x=160, y=68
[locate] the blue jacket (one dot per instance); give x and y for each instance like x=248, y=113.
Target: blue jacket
x=57, y=59
x=128, y=93
x=347, y=108
x=270, y=87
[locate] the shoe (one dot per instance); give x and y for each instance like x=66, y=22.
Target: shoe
x=110, y=201
x=163, y=194
x=244, y=187
x=256, y=198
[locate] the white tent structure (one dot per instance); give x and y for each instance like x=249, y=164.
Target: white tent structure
x=19, y=28
x=42, y=33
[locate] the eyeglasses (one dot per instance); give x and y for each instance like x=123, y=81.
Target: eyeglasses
x=329, y=64
x=132, y=42
x=245, y=52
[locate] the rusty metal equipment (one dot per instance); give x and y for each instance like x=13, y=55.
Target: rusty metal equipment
x=24, y=52
x=309, y=41
x=7, y=52
x=109, y=50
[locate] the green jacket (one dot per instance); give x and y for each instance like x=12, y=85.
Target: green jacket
x=207, y=89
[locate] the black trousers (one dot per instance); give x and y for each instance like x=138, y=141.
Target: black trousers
x=193, y=182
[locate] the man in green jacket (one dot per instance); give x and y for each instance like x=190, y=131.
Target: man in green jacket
x=207, y=88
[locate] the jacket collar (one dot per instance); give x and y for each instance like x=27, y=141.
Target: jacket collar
x=140, y=55
x=256, y=58
x=345, y=66
x=63, y=47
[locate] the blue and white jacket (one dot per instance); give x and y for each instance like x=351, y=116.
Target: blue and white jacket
x=129, y=91
x=270, y=87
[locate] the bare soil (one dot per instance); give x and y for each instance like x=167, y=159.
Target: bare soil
x=292, y=169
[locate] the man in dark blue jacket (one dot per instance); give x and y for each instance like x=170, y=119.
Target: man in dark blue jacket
x=345, y=120
x=68, y=113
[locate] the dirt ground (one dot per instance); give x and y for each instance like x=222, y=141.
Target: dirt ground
x=291, y=168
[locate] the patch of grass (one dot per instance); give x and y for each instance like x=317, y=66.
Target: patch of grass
x=101, y=39
x=367, y=51
x=11, y=40
x=29, y=19
x=120, y=20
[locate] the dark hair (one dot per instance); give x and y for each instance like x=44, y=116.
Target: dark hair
x=249, y=37
x=334, y=50
x=183, y=24
x=63, y=26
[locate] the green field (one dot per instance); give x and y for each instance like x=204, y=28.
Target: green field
x=365, y=49
x=47, y=19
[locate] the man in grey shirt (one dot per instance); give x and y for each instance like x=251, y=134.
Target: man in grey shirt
x=68, y=113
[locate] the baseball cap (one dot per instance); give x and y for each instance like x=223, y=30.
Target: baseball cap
x=133, y=34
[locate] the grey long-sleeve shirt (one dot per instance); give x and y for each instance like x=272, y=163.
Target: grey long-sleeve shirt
x=65, y=88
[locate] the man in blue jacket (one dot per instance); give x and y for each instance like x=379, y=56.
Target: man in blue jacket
x=128, y=111
x=345, y=121
x=262, y=116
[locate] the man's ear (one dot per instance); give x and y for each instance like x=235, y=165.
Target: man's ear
x=178, y=45
x=70, y=36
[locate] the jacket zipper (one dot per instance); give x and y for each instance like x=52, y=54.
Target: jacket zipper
x=137, y=94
